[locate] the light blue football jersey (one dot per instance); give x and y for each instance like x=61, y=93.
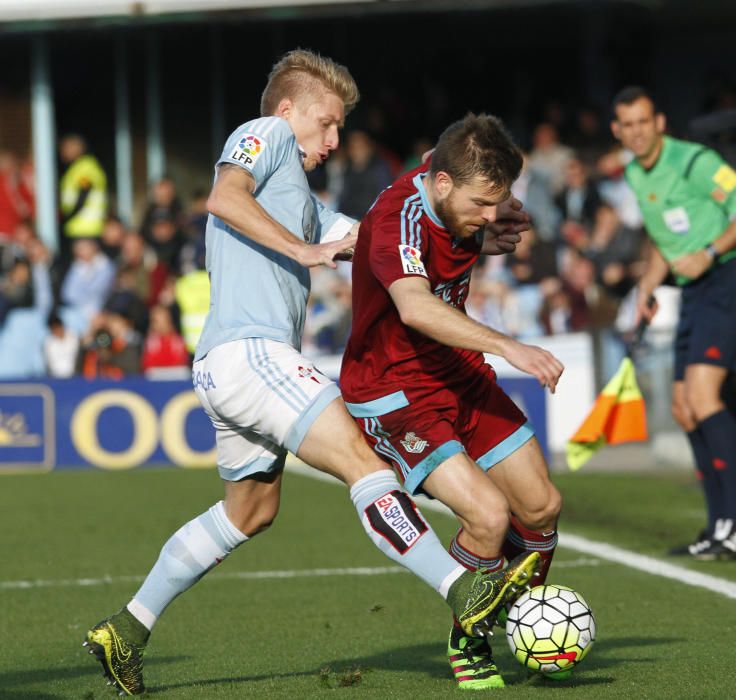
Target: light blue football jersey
x=256, y=292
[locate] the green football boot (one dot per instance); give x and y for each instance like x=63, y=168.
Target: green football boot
x=118, y=643
x=471, y=660
x=477, y=599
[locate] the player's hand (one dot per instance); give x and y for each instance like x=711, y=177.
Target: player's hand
x=645, y=311
x=326, y=253
x=535, y=361
x=692, y=265
x=504, y=233
x=348, y=253
x=500, y=243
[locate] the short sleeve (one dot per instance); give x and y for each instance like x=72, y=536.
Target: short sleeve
x=712, y=177
x=259, y=147
x=390, y=259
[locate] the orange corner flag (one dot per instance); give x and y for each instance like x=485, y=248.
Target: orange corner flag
x=618, y=416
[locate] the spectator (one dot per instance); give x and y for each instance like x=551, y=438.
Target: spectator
x=164, y=351
x=588, y=139
x=194, y=227
x=166, y=240
x=615, y=191
x=87, y=283
x=163, y=201
x=113, y=235
x=110, y=348
x=16, y=288
x=16, y=197
x=140, y=261
x=614, y=248
x=549, y=157
x=60, y=349
x=192, y=298
x=124, y=300
x=83, y=193
x=41, y=272
x=366, y=175
x=532, y=189
x=579, y=199
x=533, y=260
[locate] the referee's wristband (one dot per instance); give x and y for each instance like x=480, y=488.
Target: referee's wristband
x=712, y=252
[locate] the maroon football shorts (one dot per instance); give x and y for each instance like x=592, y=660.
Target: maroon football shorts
x=427, y=427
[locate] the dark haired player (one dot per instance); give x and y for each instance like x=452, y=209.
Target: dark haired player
x=414, y=375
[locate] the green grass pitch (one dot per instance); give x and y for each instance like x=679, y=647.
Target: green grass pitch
x=330, y=636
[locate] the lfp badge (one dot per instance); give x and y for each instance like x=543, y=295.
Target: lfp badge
x=248, y=150
x=411, y=260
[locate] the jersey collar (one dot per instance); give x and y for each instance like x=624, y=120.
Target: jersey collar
x=419, y=184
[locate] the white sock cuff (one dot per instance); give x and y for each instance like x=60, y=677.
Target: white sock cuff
x=383, y=480
x=447, y=582
x=141, y=613
x=232, y=535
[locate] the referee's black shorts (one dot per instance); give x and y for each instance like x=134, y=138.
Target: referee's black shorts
x=706, y=332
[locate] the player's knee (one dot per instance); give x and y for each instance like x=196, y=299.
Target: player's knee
x=702, y=401
x=543, y=514
x=253, y=520
x=682, y=416
x=488, y=522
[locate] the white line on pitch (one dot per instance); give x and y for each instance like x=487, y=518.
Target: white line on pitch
x=243, y=575
x=601, y=550
x=303, y=573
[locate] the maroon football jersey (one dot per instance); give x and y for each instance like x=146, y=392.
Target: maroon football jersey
x=401, y=236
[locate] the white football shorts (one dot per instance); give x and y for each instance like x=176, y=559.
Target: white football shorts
x=262, y=397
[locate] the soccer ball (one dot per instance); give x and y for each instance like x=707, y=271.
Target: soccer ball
x=550, y=629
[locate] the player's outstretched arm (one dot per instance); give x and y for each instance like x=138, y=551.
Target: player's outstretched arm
x=232, y=201
x=424, y=312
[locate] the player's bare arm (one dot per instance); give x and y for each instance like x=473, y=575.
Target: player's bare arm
x=424, y=312
x=693, y=265
x=502, y=235
x=232, y=201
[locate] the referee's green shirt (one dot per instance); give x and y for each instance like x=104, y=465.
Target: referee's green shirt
x=687, y=198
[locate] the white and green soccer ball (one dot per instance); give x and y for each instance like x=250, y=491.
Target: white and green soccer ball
x=550, y=629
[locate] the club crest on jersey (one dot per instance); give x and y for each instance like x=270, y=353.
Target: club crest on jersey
x=413, y=444
x=395, y=518
x=307, y=373
x=248, y=150
x=411, y=260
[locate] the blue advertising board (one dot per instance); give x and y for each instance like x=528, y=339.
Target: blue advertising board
x=106, y=424
x=136, y=423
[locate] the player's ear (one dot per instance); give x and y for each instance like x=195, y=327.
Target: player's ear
x=284, y=108
x=616, y=129
x=660, y=122
x=443, y=183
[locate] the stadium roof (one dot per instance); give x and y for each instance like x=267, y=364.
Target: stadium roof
x=42, y=15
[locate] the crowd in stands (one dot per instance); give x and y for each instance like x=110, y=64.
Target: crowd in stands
x=131, y=300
